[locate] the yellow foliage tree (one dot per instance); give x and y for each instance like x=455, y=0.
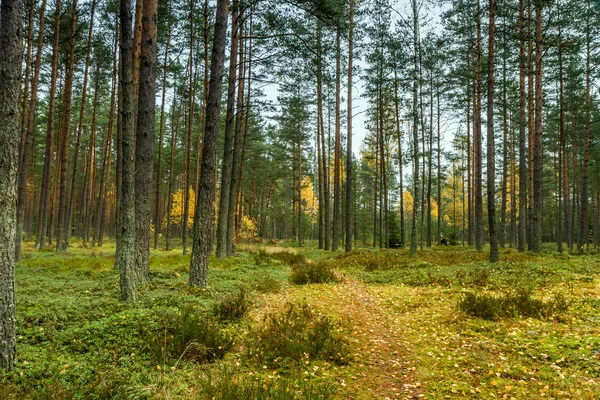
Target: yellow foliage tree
x=247, y=228
x=311, y=204
x=177, y=208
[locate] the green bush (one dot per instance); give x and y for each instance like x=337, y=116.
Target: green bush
x=231, y=385
x=298, y=333
x=308, y=272
x=188, y=334
x=233, y=306
x=261, y=258
x=267, y=284
x=516, y=304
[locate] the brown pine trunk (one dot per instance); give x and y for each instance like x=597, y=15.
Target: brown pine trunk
x=125, y=260
x=71, y=202
x=29, y=134
x=491, y=154
x=203, y=217
x=416, y=43
x=522, y=236
x=337, y=154
x=226, y=171
x=10, y=69
x=157, y=215
x=349, y=178
x=400, y=159
x=145, y=136
x=537, y=153
x=61, y=230
x=583, y=216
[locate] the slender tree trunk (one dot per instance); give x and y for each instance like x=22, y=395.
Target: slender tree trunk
x=337, y=155
x=157, y=215
x=430, y=161
x=477, y=143
x=239, y=121
x=505, y=145
x=125, y=260
x=228, y=144
x=10, y=79
x=439, y=174
x=349, y=177
x=537, y=154
x=521, y=241
x=400, y=159
x=145, y=137
x=61, y=234
x=470, y=208
x=28, y=136
x=491, y=154
x=416, y=44
x=71, y=202
x=204, y=200
x=583, y=217
x=321, y=133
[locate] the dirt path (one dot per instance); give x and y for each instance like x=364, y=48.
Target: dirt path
x=381, y=368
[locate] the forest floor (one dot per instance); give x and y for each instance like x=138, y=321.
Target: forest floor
x=447, y=325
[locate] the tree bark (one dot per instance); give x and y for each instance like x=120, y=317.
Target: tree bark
x=226, y=171
x=10, y=82
x=349, y=177
x=491, y=154
x=414, y=229
x=203, y=217
x=537, y=153
x=61, y=234
x=125, y=260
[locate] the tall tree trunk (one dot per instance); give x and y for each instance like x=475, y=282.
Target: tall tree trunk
x=239, y=121
x=491, y=154
x=29, y=135
x=537, y=153
x=10, y=79
x=337, y=155
x=71, y=202
x=400, y=159
x=439, y=175
x=583, y=217
x=321, y=134
x=157, y=215
x=61, y=234
x=477, y=142
x=125, y=260
x=349, y=177
x=204, y=200
x=430, y=160
x=145, y=137
x=521, y=241
x=470, y=208
x=226, y=170
x=416, y=44
x=505, y=145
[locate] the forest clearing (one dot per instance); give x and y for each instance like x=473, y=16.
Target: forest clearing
x=299, y=199
x=397, y=324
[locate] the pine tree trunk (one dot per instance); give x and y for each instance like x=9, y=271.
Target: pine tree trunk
x=583, y=217
x=145, y=137
x=522, y=236
x=400, y=159
x=337, y=154
x=61, y=234
x=491, y=154
x=226, y=170
x=477, y=143
x=203, y=217
x=29, y=135
x=125, y=260
x=71, y=203
x=157, y=215
x=537, y=153
x=10, y=79
x=349, y=201
x=414, y=229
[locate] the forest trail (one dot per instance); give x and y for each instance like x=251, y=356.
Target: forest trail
x=381, y=366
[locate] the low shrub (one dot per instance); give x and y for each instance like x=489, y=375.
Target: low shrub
x=187, y=334
x=480, y=276
x=307, y=272
x=233, y=306
x=298, y=333
x=261, y=258
x=229, y=384
x=520, y=303
x=267, y=284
